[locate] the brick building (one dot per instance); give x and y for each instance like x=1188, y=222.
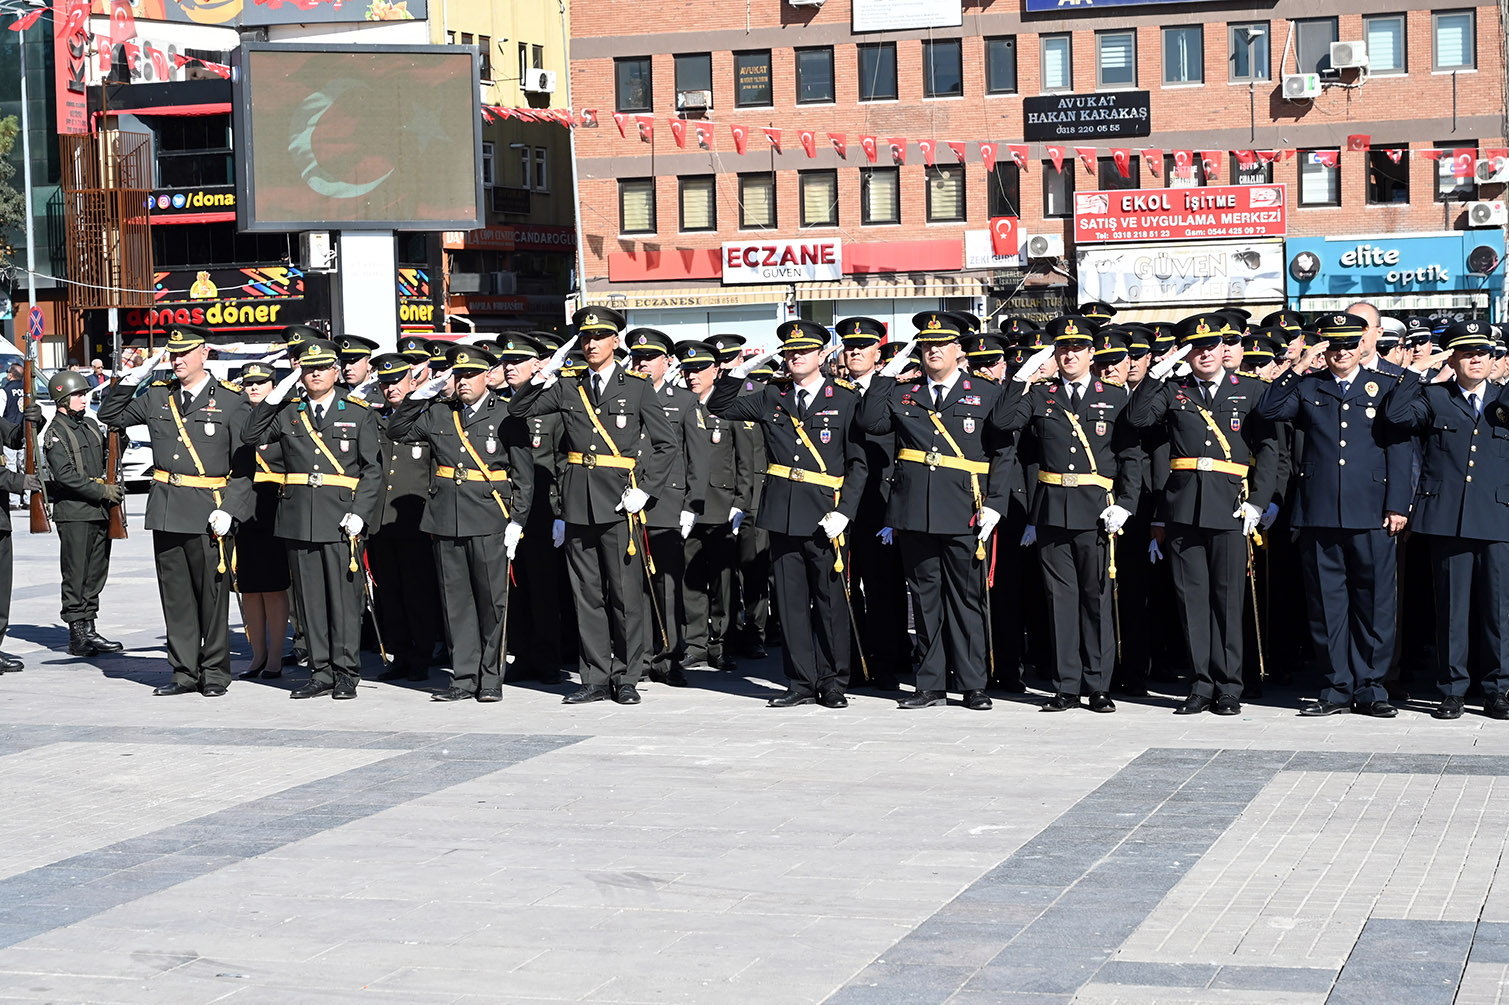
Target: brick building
x=671, y=229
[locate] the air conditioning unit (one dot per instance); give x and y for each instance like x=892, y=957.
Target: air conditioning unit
x=539, y=82
x=1299, y=86
x=1349, y=55
x=1491, y=171
x=468, y=282
x=503, y=283
x=1487, y=214
x=1045, y=246
x=694, y=101
x=316, y=253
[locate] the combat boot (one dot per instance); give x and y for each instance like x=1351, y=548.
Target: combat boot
x=78, y=640
x=99, y=642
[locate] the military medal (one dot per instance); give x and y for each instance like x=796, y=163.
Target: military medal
x=1371, y=388
x=623, y=421
x=1100, y=429
x=417, y=451
x=536, y=444
x=492, y=445
x=969, y=425
x=717, y=436
x=209, y=429
x=826, y=436
x=345, y=446
x=1371, y=411
x=1236, y=424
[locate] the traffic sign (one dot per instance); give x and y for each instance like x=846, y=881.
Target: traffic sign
x=34, y=324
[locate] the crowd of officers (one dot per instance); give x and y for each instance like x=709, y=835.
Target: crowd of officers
x=959, y=504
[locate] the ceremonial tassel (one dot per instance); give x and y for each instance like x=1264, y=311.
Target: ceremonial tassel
x=220, y=543
x=353, y=566
x=838, y=553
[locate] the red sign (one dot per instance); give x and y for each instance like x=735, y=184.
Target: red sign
x=1176, y=214
x=70, y=39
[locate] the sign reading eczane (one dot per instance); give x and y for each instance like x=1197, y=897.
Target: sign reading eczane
x=1180, y=214
x=1082, y=116
x=783, y=261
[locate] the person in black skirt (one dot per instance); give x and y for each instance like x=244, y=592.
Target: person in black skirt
x=261, y=562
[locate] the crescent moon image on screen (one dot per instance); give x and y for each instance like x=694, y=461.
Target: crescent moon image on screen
x=301, y=128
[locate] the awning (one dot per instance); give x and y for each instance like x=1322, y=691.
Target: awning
x=705, y=296
x=1449, y=301
x=865, y=288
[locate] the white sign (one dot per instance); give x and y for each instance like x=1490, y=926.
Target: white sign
x=1227, y=272
x=777, y=261
x=979, y=252
x=901, y=15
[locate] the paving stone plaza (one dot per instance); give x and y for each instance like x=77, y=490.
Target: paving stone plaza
x=701, y=847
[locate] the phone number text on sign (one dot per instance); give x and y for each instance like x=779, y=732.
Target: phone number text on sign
x=1175, y=214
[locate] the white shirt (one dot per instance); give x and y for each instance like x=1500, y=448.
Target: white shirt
x=947, y=384
x=193, y=392
x=602, y=376
x=473, y=409
x=1081, y=386
x=863, y=383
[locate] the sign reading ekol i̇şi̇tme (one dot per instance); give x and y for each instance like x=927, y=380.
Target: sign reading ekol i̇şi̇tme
x=1086, y=116
x=1177, y=214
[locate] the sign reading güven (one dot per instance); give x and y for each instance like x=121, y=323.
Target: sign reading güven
x=1180, y=214
x=1082, y=116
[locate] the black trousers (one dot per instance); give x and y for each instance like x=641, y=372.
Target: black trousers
x=196, y=600
x=1470, y=590
x=609, y=584
x=1136, y=616
x=809, y=597
x=7, y=562
x=407, y=596
x=1210, y=575
x=668, y=614
x=879, y=589
x=84, y=560
x=707, y=591
x=1076, y=581
x=329, y=597
x=1415, y=657
x=948, y=584
x=473, y=591
x=1349, y=580
x=535, y=625
x=754, y=579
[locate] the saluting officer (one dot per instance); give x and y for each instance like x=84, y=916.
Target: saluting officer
x=813, y=484
x=201, y=484
x=332, y=490
x=752, y=569
x=81, y=501
x=356, y=367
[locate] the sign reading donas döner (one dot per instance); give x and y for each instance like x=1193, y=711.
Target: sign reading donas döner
x=1177, y=214
x=783, y=261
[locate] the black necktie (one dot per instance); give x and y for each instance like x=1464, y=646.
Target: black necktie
x=803, y=397
x=1344, y=385
x=319, y=415
x=597, y=388
x=1208, y=391
x=1074, y=397
x=938, y=397
x=188, y=399
x=1473, y=398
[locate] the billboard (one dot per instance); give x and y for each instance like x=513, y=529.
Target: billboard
x=235, y=13
x=1211, y=272
x=1073, y=6
x=357, y=137
x=1180, y=214
x=902, y=15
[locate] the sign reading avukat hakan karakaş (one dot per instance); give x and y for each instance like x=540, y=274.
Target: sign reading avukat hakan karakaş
x=1175, y=214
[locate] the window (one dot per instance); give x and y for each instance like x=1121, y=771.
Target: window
x=1450, y=187
x=524, y=61
x=1184, y=55
x=819, y=198
x=541, y=169
x=694, y=72
x=1004, y=189
x=1385, y=41
x=1192, y=175
x=193, y=150
x=698, y=199
x=1249, y=51
x=1319, y=184
x=632, y=80
x=485, y=64
x=1256, y=173
x=1057, y=63
x=1455, y=35
x=752, y=79
x=1058, y=189
x=526, y=166
x=1313, y=44
x=877, y=71
x=1000, y=65
x=943, y=68
x=1388, y=182
x=814, y=75
x=880, y=195
x=537, y=56
x=945, y=194
x=636, y=206
x=466, y=38
x=1110, y=177
x=488, y=169
x=216, y=244
x=756, y=201
x=1115, y=59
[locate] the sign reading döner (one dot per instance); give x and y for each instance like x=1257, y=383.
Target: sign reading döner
x=783, y=261
x=1178, y=214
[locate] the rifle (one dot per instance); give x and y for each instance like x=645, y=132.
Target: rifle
x=113, y=447
x=40, y=524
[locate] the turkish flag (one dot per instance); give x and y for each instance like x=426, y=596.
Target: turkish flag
x=1018, y=153
x=1463, y=159
x=1183, y=162
x=809, y=141
x=898, y=148
x=1327, y=158
x=1152, y=160
x=589, y=118
x=160, y=67
x=1497, y=156
x=1056, y=154
x=928, y=148
x=122, y=22
x=1245, y=158
x=1211, y=160
x=1267, y=156
x=26, y=21
x=647, y=128
x=1003, y=235
x=1123, y=159
x=1289, y=154
x=741, y=137
x=1395, y=154
x=619, y=118
x=1431, y=153
x=678, y=132
x=957, y=146
x=1086, y=157
x=988, y=154
x=867, y=144
x=839, y=144
x=704, y=135
x=1359, y=141
x=773, y=135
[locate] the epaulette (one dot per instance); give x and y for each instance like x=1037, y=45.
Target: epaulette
x=1253, y=376
x=160, y=383
x=573, y=371
x=296, y=400
x=1046, y=380
x=636, y=373
x=847, y=385
x=1113, y=383
x=229, y=386
x=780, y=378
x=358, y=401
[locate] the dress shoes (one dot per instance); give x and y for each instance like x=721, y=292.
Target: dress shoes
x=790, y=700
x=311, y=690
x=1100, y=701
x=586, y=693
x=452, y=693
x=99, y=642
x=1497, y=707
x=490, y=694
x=756, y=651
x=833, y=698
x=344, y=690
x=977, y=699
x=924, y=699
x=1318, y=708
x=1227, y=704
x=175, y=688
x=213, y=690
x=674, y=677
x=1377, y=709
x=1450, y=708
x=395, y=672
x=10, y=664
x=1193, y=705
x=626, y=694
x=1060, y=703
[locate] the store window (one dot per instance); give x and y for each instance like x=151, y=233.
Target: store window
x=1109, y=175
x=1190, y=175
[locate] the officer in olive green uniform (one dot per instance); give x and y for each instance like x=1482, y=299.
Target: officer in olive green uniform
x=357, y=372
x=201, y=485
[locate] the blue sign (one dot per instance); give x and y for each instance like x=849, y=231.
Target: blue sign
x=1071, y=6
x=1463, y=261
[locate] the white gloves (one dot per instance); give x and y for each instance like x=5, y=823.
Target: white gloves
x=1269, y=515
x=886, y=534
x=285, y=385
x=546, y=374
x=220, y=523
x=988, y=520
x=750, y=365
x=735, y=518
x=833, y=524
x=432, y=387
x=1029, y=536
x=1249, y=515
x=902, y=360
x=688, y=521
x=633, y=500
x=1165, y=366
x=138, y=374
x=1154, y=553
x=352, y=524
x=511, y=535
x=1034, y=363
x=1114, y=518
x=557, y=533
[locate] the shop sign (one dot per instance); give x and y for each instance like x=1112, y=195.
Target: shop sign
x=1180, y=214
x=1104, y=115
x=1203, y=273
x=783, y=261
x=1390, y=263
x=232, y=299
x=217, y=201
x=979, y=251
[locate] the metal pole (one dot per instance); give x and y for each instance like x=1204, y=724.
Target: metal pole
x=576, y=188
x=31, y=244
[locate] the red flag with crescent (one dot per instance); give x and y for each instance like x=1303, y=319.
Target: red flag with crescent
x=619, y=120
x=1463, y=160
x=1152, y=161
x=1123, y=159
x=678, y=132
x=589, y=118
x=1211, y=161
x=646, y=128
x=1359, y=141
x=840, y=144
x=1003, y=235
x=988, y=153
x=1327, y=158
x=928, y=148
x=898, y=148
x=957, y=146
x=741, y=137
x=1086, y=157
x=867, y=144
x=773, y=135
x=1056, y=154
x=27, y=20
x=1395, y=154
x=704, y=131
x=809, y=142
x=1018, y=153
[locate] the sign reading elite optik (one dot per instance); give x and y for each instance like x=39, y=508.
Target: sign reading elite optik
x=783, y=261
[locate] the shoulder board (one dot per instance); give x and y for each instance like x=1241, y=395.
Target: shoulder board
x=847, y=385
x=1112, y=383
x=160, y=383
x=986, y=377
x=573, y=371
x=358, y=401
x=636, y=373
x=229, y=386
x=296, y=400
x=1046, y=380
x=780, y=379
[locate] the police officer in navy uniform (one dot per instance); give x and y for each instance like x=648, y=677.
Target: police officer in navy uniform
x=813, y=485
x=1462, y=426
x=332, y=492
x=1352, y=502
x=608, y=480
x=201, y=485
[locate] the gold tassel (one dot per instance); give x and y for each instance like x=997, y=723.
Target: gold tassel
x=838, y=553
x=353, y=566
x=220, y=543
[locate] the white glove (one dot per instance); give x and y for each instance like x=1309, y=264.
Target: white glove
x=511, y=535
x=1166, y=365
x=1115, y=517
x=546, y=374
x=432, y=387
x=220, y=523
x=1154, y=553
x=285, y=385
x=365, y=387
x=688, y=521
x=557, y=533
x=633, y=500
x=735, y=518
x=1183, y=369
x=1269, y=515
x=1034, y=363
x=1249, y=515
x=833, y=524
x=988, y=520
x=902, y=360
x=886, y=534
x=352, y=524
x=138, y=374
x=750, y=365
x=1029, y=536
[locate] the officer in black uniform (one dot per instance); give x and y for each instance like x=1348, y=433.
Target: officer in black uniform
x=1142, y=586
x=482, y=488
x=332, y=492
x=201, y=485
x=608, y=480
x=752, y=569
x=81, y=501
x=813, y=485
x=357, y=373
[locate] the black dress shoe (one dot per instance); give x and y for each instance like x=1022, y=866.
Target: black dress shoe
x=10, y=664
x=1060, y=703
x=791, y=699
x=833, y=698
x=344, y=690
x=296, y=658
x=924, y=699
x=395, y=672
x=584, y=694
x=452, y=693
x=99, y=642
x=1318, y=708
x=311, y=690
x=175, y=688
x=272, y=673
x=490, y=694
x=213, y=690
x=1101, y=702
x=1497, y=707
x=1377, y=709
x=252, y=673
x=1450, y=708
x=756, y=651
x=1193, y=705
x=977, y=699
x=1227, y=704
x=626, y=694
x=675, y=678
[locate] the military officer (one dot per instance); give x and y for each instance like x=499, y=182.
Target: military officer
x=608, y=481
x=813, y=485
x=1097, y=312
x=81, y=501
x=262, y=577
x=332, y=492
x=415, y=349
x=1142, y=586
x=201, y=485
x=356, y=367
x=752, y=572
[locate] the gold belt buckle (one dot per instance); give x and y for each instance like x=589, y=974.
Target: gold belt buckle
x=798, y=475
x=316, y=480
x=174, y=478
x=459, y=473
x=1071, y=480
x=1205, y=464
x=589, y=460
x=933, y=458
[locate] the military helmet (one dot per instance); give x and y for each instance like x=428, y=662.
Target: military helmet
x=65, y=384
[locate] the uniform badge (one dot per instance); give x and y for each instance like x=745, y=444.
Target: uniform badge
x=345, y=446
x=623, y=421
x=492, y=445
x=1100, y=429
x=827, y=392
x=417, y=451
x=826, y=436
x=717, y=436
x=1371, y=387
x=209, y=429
x=1236, y=424
x=969, y=425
